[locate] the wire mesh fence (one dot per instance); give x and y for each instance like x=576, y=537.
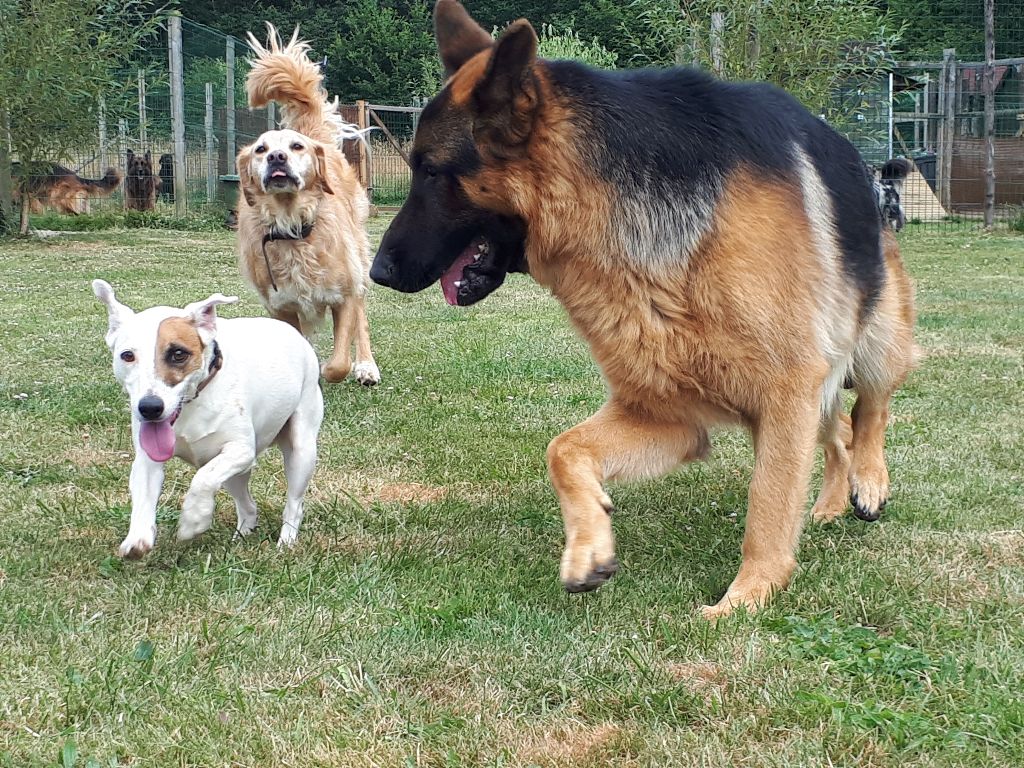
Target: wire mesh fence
x=928, y=106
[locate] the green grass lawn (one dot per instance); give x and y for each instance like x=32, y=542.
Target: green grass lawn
x=420, y=620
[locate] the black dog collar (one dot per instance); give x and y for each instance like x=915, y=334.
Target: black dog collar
x=276, y=234
x=216, y=362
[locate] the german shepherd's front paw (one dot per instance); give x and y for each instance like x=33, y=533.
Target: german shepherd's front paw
x=587, y=567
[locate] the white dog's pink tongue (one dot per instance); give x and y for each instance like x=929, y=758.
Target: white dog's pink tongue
x=454, y=274
x=157, y=439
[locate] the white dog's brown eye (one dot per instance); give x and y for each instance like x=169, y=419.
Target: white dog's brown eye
x=296, y=146
x=260, y=149
x=128, y=356
x=177, y=356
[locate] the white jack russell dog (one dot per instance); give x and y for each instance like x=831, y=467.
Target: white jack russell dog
x=215, y=393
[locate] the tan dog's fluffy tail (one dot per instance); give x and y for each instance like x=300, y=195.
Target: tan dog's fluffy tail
x=283, y=73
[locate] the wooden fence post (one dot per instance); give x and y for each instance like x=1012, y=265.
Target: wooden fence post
x=990, y=114
x=211, y=150
x=229, y=114
x=104, y=159
x=177, y=113
x=142, y=110
x=362, y=120
x=122, y=150
x=947, y=128
x=717, y=30
x=271, y=116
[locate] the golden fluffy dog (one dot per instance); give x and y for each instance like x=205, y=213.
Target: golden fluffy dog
x=302, y=212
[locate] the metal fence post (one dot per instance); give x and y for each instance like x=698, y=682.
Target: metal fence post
x=271, y=116
x=142, y=109
x=229, y=114
x=211, y=151
x=177, y=112
x=947, y=128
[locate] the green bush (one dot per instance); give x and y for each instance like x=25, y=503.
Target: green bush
x=207, y=220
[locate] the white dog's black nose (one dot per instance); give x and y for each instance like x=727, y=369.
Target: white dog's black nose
x=151, y=407
x=277, y=157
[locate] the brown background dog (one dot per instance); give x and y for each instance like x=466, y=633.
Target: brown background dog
x=140, y=183
x=302, y=213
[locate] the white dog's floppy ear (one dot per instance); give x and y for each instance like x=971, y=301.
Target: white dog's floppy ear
x=203, y=314
x=117, y=312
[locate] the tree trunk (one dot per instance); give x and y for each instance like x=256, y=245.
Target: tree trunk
x=6, y=183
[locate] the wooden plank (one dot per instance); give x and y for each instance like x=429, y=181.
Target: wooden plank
x=391, y=138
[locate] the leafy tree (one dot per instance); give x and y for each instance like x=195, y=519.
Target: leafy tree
x=58, y=58
x=383, y=55
x=812, y=48
x=568, y=45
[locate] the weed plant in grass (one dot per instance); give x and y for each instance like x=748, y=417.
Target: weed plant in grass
x=419, y=621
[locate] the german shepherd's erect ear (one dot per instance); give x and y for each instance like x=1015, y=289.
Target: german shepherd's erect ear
x=506, y=98
x=459, y=38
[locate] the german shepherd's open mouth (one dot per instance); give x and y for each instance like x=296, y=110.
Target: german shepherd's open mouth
x=485, y=254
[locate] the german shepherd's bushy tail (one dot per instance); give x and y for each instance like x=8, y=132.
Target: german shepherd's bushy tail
x=59, y=174
x=283, y=72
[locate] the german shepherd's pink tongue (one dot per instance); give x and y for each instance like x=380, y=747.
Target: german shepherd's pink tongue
x=453, y=274
x=157, y=439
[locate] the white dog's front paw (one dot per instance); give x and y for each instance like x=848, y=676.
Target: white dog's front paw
x=135, y=545
x=196, y=517
x=366, y=373
x=288, y=537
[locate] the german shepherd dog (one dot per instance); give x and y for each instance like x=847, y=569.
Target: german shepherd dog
x=724, y=258
x=140, y=184
x=64, y=189
x=167, y=177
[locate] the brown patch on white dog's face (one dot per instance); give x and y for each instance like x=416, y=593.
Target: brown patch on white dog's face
x=179, y=350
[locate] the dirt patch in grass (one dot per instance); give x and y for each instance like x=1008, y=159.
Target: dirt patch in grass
x=568, y=744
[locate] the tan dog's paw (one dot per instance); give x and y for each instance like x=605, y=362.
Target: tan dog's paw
x=366, y=373
x=829, y=508
x=869, y=492
x=335, y=373
x=585, y=567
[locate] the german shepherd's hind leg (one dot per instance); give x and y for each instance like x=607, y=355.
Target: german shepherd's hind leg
x=869, y=475
x=884, y=355
x=836, y=437
x=784, y=442
x=616, y=443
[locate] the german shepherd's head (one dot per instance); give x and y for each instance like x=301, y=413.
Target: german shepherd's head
x=459, y=223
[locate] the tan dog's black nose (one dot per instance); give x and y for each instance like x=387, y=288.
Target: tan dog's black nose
x=277, y=157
